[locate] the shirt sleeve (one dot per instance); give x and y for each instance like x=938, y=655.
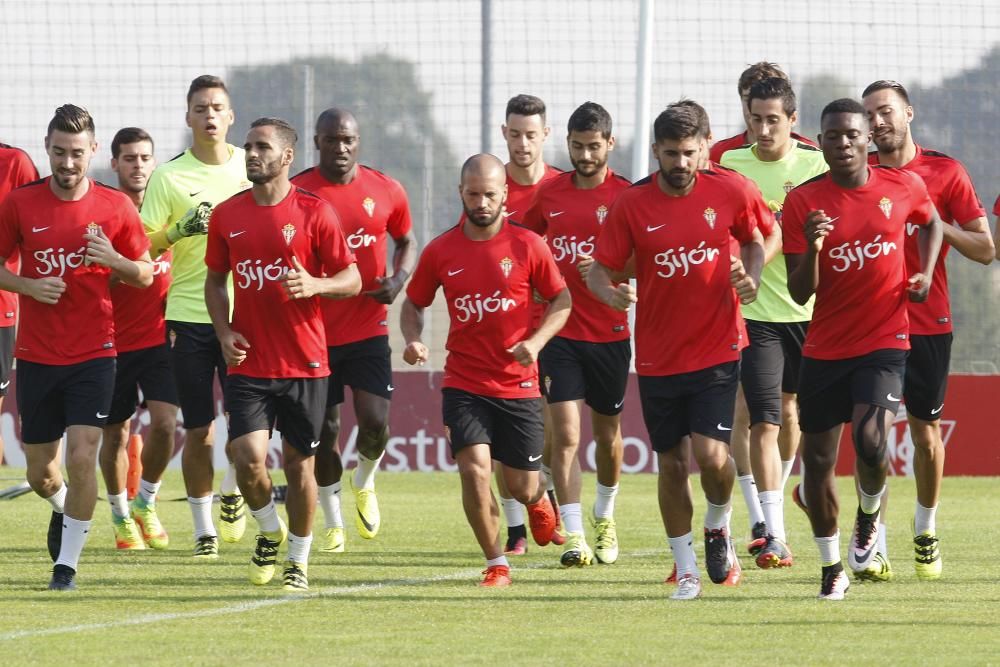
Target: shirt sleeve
x=332, y=247
x=400, y=221
x=156, y=208
x=963, y=202
x=216, y=248
x=545, y=274
x=615, y=244
x=131, y=241
x=754, y=214
x=25, y=171
x=793, y=224
x=920, y=213
x=425, y=279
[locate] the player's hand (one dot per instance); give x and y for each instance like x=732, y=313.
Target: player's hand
x=818, y=227
x=299, y=283
x=192, y=223
x=45, y=290
x=917, y=287
x=234, y=347
x=622, y=297
x=416, y=353
x=742, y=282
x=99, y=250
x=583, y=264
x=387, y=290
x=525, y=352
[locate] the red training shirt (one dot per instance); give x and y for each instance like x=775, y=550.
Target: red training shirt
x=488, y=286
x=720, y=147
x=257, y=244
x=16, y=169
x=139, y=313
x=49, y=232
x=370, y=207
x=861, y=296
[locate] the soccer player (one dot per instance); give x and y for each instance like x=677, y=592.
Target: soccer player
x=277, y=240
x=16, y=169
x=74, y=235
x=143, y=362
x=371, y=207
x=680, y=223
x=890, y=113
x=843, y=241
x=588, y=360
x=491, y=403
x=175, y=210
x=776, y=325
x=751, y=75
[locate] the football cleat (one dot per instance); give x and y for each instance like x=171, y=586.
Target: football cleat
x=53, y=539
x=576, y=552
x=878, y=570
x=62, y=578
x=688, y=588
x=720, y=558
x=206, y=547
x=232, y=517
x=774, y=554
x=367, y=518
x=542, y=520
x=517, y=545
x=605, y=540
x=149, y=524
x=294, y=578
x=758, y=538
x=835, y=583
x=333, y=541
x=127, y=535
x=672, y=579
x=927, y=556
x=265, y=555
x=864, y=540
x=497, y=576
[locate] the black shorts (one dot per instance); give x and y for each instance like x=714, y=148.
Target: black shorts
x=148, y=369
x=770, y=367
x=926, y=378
x=7, y=336
x=364, y=364
x=701, y=402
x=197, y=359
x=294, y=406
x=596, y=372
x=512, y=427
x=51, y=398
x=829, y=389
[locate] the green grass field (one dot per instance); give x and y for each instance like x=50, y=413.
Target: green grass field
x=410, y=596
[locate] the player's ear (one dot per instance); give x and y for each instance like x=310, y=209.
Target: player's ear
x=503, y=131
x=794, y=118
x=611, y=143
x=908, y=110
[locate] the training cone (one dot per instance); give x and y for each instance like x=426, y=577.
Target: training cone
x=134, y=465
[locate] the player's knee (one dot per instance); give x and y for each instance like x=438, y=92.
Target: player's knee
x=871, y=436
x=818, y=459
x=789, y=411
x=42, y=480
x=199, y=437
x=673, y=467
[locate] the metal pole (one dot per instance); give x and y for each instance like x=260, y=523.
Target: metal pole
x=644, y=83
x=486, y=78
x=308, y=104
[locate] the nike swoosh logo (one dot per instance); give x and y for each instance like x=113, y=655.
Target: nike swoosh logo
x=866, y=556
x=195, y=194
x=454, y=273
x=233, y=235
x=532, y=459
x=553, y=214
x=369, y=526
x=38, y=229
x=890, y=397
x=100, y=416
x=389, y=387
x=722, y=428
x=507, y=214
x=619, y=404
x=314, y=444
x=933, y=412
x=3, y=385
x=653, y=229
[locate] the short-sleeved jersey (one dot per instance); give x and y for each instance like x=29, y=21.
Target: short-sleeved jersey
x=720, y=147
x=955, y=199
x=687, y=317
x=256, y=243
x=371, y=207
x=139, y=313
x=174, y=189
x=520, y=197
x=16, y=169
x=488, y=286
x=571, y=219
x=861, y=296
x=775, y=180
x=49, y=233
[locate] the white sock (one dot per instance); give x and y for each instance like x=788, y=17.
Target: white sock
x=267, y=518
x=549, y=484
x=683, y=550
x=364, y=474
x=717, y=516
x=786, y=471
x=870, y=503
x=924, y=519
x=58, y=499
x=880, y=544
x=201, y=515
x=604, y=505
x=298, y=548
x=572, y=517
x=513, y=512
x=772, y=504
x=229, y=486
x=148, y=491
x=119, y=504
x=74, y=536
x=499, y=560
x=829, y=549
x=329, y=500
x=749, y=489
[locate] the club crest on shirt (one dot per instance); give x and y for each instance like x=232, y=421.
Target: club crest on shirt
x=788, y=187
x=288, y=231
x=93, y=228
x=710, y=217
x=886, y=205
x=602, y=213
x=369, y=205
x=506, y=266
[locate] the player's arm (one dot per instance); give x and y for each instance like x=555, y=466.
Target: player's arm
x=972, y=239
x=803, y=268
x=404, y=258
x=744, y=272
x=772, y=243
x=608, y=288
x=554, y=319
x=929, y=238
x=300, y=284
x=411, y=323
x=136, y=273
x=44, y=290
x=234, y=345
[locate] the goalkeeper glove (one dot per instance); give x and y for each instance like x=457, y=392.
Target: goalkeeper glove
x=192, y=223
